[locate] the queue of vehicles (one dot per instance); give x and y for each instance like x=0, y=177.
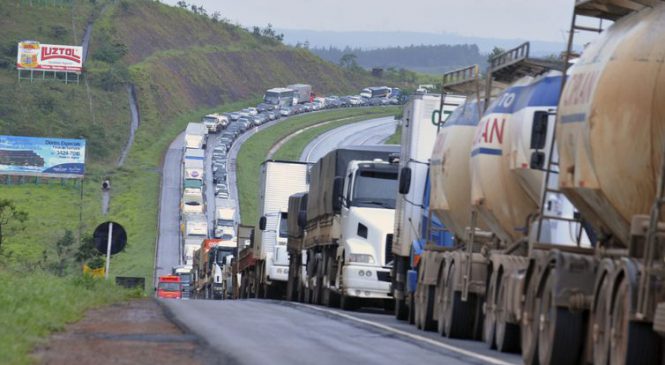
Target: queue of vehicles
x=533, y=223
x=207, y=250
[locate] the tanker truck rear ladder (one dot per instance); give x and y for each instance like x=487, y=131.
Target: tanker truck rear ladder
x=602, y=10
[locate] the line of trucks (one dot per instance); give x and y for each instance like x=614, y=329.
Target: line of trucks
x=205, y=262
x=525, y=212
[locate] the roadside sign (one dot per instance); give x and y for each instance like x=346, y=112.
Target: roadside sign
x=118, y=237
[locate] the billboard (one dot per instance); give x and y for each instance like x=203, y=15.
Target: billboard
x=48, y=157
x=49, y=57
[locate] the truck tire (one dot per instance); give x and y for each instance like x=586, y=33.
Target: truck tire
x=489, y=321
x=561, y=331
x=440, y=304
x=599, y=322
x=507, y=334
x=529, y=323
x=427, y=321
x=459, y=315
x=348, y=303
x=401, y=310
x=632, y=342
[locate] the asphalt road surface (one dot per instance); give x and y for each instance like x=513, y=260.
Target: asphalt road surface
x=168, y=242
x=373, y=131
x=258, y=331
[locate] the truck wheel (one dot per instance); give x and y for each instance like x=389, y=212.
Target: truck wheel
x=632, y=342
x=459, y=315
x=348, y=303
x=427, y=321
x=440, y=303
x=507, y=334
x=561, y=331
x=529, y=323
x=401, y=310
x=489, y=322
x=599, y=323
x=417, y=301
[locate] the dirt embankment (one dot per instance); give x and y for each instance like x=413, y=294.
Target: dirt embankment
x=137, y=332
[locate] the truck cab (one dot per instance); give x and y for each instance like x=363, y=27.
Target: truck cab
x=367, y=220
x=169, y=287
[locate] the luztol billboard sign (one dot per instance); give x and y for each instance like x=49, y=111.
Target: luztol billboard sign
x=33, y=55
x=48, y=157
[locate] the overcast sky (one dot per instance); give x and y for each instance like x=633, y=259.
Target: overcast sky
x=545, y=20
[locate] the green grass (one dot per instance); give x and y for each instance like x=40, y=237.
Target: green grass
x=255, y=150
x=396, y=137
x=36, y=304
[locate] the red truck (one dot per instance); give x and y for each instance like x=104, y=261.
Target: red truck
x=169, y=287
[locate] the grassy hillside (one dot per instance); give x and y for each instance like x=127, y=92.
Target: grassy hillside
x=182, y=66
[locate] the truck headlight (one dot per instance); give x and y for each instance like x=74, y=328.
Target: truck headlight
x=361, y=258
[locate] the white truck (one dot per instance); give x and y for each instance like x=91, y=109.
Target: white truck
x=301, y=93
x=225, y=218
x=268, y=272
x=193, y=164
x=215, y=122
x=192, y=202
x=349, y=228
x=419, y=129
x=194, y=231
x=195, y=135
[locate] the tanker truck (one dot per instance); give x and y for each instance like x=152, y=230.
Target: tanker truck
x=268, y=272
x=610, y=137
x=349, y=229
x=419, y=128
x=477, y=288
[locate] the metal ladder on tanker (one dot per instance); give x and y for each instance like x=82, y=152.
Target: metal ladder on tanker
x=582, y=8
x=602, y=10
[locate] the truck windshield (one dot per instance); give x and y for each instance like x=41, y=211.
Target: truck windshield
x=375, y=189
x=283, y=226
x=185, y=278
x=225, y=222
x=193, y=183
x=169, y=286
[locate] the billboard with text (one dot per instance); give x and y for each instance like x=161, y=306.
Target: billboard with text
x=33, y=55
x=48, y=157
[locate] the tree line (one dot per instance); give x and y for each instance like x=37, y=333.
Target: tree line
x=422, y=57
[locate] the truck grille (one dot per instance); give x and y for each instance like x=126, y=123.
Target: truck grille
x=389, y=249
x=383, y=275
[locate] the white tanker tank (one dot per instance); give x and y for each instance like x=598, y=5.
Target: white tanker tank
x=449, y=169
x=505, y=189
x=612, y=123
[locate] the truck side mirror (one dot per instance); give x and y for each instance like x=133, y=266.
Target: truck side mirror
x=539, y=130
x=338, y=187
x=262, y=223
x=302, y=219
x=405, y=180
x=537, y=160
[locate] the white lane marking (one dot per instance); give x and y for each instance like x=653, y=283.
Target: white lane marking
x=448, y=347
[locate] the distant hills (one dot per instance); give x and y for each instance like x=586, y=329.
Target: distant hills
x=373, y=40
x=425, y=59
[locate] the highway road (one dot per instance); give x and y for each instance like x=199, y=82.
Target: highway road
x=258, y=331
x=168, y=252
x=373, y=131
